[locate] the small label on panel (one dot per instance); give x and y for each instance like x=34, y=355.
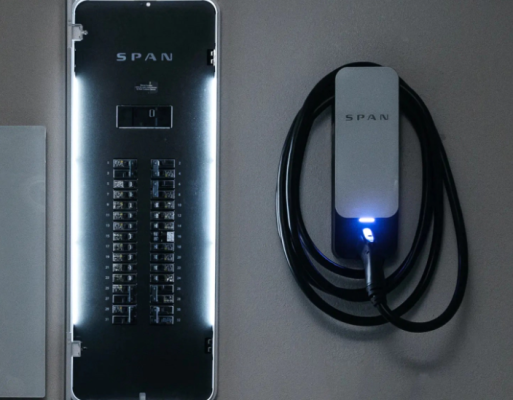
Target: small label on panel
x=150, y=87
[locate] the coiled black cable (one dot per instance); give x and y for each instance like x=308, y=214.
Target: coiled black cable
x=304, y=257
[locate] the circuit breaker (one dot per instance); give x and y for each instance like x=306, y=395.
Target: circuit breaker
x=142, y=176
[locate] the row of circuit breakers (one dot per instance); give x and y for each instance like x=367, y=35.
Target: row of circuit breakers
x=124, y=238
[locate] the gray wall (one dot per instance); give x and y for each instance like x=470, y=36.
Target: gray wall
x=273, y=343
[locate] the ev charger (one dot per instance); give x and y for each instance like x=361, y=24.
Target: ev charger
x=367, y=100
x=366, y=159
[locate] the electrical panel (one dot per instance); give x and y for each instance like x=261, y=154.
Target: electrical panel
x=142, y=200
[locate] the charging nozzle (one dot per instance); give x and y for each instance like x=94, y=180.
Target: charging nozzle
x=373, y=265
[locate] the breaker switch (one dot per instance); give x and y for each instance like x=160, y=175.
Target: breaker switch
x=163, y=194
x=163, y=278
x=168, y=226
x=163, y=205
x=162, y=267
x=124, y=278
x=124, y=205
x=162, y=299
x=124, y=174
x=166, y=215
x=124, y=289
x=169, y=257
x=124, y=226
x=124, y=267
x=163, y=163
x=123, y=237
x=163, y=173
x=163, y=247
x=124, y=247
x=124, y=184
x=123, y=299
x=124, y=257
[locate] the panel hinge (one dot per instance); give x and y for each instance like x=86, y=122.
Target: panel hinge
x=77, y=32
x=211, y=57
x=76, y=348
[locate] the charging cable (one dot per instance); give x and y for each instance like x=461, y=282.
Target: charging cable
x=305, y=259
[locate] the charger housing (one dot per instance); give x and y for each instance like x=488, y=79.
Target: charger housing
x=365, y=160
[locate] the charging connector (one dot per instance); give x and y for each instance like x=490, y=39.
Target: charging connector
x=373, y=265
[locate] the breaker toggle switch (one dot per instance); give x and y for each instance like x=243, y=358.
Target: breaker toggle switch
x=163, y=163
x=124, y=194
x=162, y=267
x=124, y=226
x=169, y=257
x=163, y=278
x=166, y=215
x=162, y=310
x=124, y=237
x=124, y=174
x=123, y=310
x=162, y=205
x=124, y=289
x=118, y=163
x=163, y=194
x=160, y=320
x=124, y=267
x=124, y=257
x=123, y=299
x=118, y=320
x=162, y=299
x=162, y=184
x=167, y=184
x=168, y=226
x=124, y=205
x=163, y=247
x=124, y=278
x=124, y=184
x=124, y=216
x=163, y=173
x=124, y=247
x=157, y=290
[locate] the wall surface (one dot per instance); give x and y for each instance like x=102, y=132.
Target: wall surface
x=273, y=343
